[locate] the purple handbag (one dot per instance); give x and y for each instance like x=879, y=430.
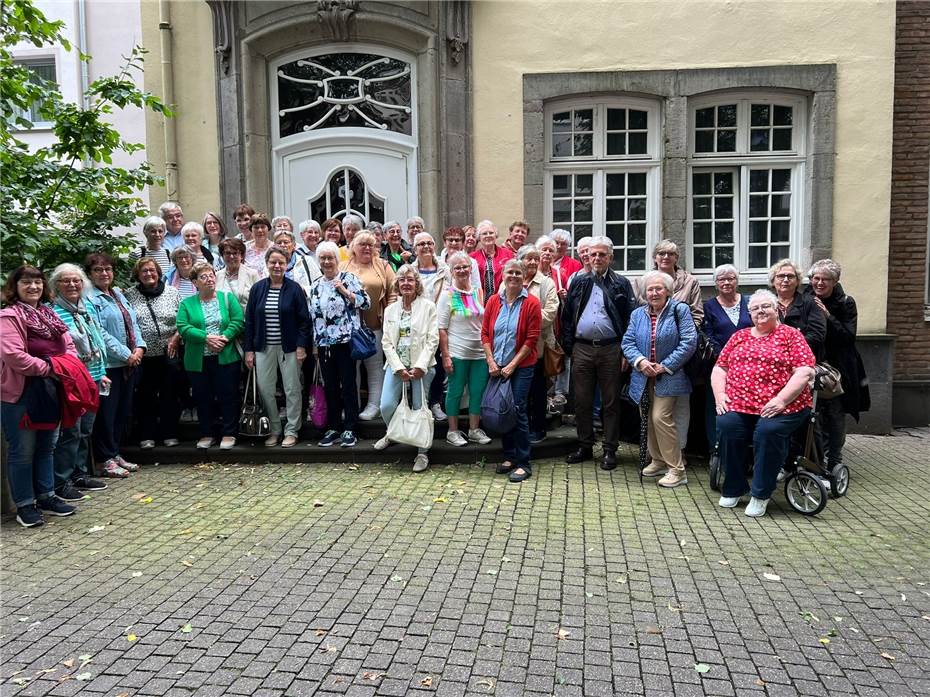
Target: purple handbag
x=316, y=401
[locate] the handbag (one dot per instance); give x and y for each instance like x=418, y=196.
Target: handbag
x=553, y=360
x=826, y=381
x=253, y=422
x=498, y=411
x=411, y=426
x=362, y=342
x=316, y=400
x=698, y=367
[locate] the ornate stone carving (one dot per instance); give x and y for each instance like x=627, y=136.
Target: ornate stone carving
x=457, y=28
x=222, y=31
x=335, y=16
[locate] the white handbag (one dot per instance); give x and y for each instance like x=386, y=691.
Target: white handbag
x=412, y=426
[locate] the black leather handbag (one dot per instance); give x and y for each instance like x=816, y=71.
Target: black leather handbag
x=253, y=421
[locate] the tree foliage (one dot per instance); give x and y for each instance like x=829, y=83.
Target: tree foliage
x=63, y=201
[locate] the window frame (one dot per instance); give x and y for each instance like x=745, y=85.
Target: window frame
x=599, y=164
x=743, y=161
x=28, y=62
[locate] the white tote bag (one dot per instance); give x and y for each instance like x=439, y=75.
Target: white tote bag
x=412, y=426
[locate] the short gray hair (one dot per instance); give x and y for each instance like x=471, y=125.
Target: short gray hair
x=764, y=294
x=415, y=219
x=289, y=233
x=275, y=249
x=513, y=261
x=526, y=250
x=726, y=268
x=781, y=263
x=192, y=225
x=374, y=226
x=181, y=251
x=602, y=241
x=456, y=257
x=544, y=239
x=826, y=267
x=151, y=222
x=327, y=247
x=560, y=235
x=281, y=219
x=666, y=246
x=309, y=225
x=353, y=220
x=408, y=270
x=390, y=224
x=652, y=276
x=485, y=225
x=62, y=269
x=168, y=206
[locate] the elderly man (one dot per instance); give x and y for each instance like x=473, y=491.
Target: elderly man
x=171, y=213
x=415, y=225
x=594, y=317
x=310, y=234
x=518, y=232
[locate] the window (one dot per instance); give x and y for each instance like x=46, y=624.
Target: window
x=43, y=70
x=346, y=192
x=603, y=174
x=745, y=186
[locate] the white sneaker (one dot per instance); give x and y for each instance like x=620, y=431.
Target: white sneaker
x=782, y=474
x=420, y=463
x=729, y=501
x=147, y=444
x=381, y=443
x=756, y=507
x=476, y=435
x=456, y=438
x=204, y=443
x=438, y=413
x=370, y=412
x=172, y=442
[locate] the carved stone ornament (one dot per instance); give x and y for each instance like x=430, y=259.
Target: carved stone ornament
x=457, y=28
x=222, y=31
x=335, y=16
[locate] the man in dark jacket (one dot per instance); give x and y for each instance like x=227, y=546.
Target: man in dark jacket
x=594, y=317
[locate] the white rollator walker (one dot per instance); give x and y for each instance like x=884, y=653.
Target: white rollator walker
x=805, y=487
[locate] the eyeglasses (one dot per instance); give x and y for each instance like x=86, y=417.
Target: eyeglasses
x=763, y=306
x=598, y=254
x=365, y=244
x=102, y=269
x=726, y=279
x=463, y=267
x=426, y=244
x=785, y=276
x=455, y=239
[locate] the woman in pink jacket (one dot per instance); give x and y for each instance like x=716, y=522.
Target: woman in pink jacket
x=30, y=332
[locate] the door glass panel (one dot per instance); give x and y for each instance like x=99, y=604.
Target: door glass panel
x=348, y=193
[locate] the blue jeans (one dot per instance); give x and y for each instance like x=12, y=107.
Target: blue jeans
x=73, y=450
x=770, y=438
x=390, y=393
x=114, y=414
x=29, y=459
x=516, y=442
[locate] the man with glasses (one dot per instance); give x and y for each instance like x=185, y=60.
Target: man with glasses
x=171, y=213
x=594, y=317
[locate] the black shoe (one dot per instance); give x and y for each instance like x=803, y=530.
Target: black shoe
x=517, y=476
x=88, y=484
x=580, y=455
x=29, y=516
x=67, y=492
x=537, y=437
x=610, y=461
x=55, y=506
x=329, y=438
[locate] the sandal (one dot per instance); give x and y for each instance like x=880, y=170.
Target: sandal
x=505, y=467
x=112, y=469
x=519, y=474
x=128, y=466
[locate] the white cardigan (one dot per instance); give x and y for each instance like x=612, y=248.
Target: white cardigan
x=424, y=325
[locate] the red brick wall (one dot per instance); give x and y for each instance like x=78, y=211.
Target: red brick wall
x=907, y=273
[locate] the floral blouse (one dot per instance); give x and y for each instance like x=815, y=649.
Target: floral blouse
x=759, y=367
x=332, y=318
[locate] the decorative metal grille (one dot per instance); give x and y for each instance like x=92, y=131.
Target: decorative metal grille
x=346, y=192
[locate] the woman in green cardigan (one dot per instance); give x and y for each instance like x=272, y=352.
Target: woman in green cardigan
x=209, y=323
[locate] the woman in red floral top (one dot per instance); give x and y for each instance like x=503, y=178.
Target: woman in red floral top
x=761, y=391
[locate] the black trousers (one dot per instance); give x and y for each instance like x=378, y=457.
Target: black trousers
x=217, y=383
x=157, y=399
x=338, y=371
x=536, y=409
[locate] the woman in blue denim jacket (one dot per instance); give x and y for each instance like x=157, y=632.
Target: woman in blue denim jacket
x=659, y=341
x=125, y=348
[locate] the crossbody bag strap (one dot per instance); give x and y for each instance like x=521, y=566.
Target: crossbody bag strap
x=148, y=304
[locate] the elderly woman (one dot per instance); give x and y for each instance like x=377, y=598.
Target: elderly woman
x=30, y=333
x=179, y=276
x=261, y=242
x=351, y=226
x=395, y=250
x=411, y=335
x=192, y=233
x=377, y=277
x=840, y=352
x=156, y=306
x=301, y=269
x=559, y=275
x=659, y=341
x=415, y=225
x=375, y=228
x=310, y=235
x=583, y=247
x=762, y=396
x=235, y=277
x=125, y=350
x=209, y=323
x=72, y=451
x=543, y=289
x=434, y=277
x=490, y=258
x=281, y=222
x=460, y=311
x=243, y=216
x=563, y=260
x=336, y=300
x=724, y=315
x=215, y=231
x=277, y=335
x=471, y=238
x=453, y=240
x=795, y=308
x=509, y=336
x=154, y=231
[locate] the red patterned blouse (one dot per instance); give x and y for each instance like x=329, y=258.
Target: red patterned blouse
x=759, y=367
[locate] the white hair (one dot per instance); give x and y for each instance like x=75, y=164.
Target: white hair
x=764, y=294
x=544, y=239
x=290, y=234
x=827, y=267
x=584, y=242
x=282, y=219
x=168, y=206
x=526, y=250
x=726, y=268
x=353, y=220
x=152, y=221
x=602, y=241
x=192, y=226
x=309, y=225
x=327, y=247
x=651, y=276
x=62, y=269
x=485, y=225
x=560, y=235
x=415, y=219
x=181, y=251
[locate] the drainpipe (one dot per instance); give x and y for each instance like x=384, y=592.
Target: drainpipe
x=85, y=67
x=167, y=81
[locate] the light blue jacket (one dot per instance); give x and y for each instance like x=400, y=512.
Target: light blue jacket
x=676, y=341
x=114, y=330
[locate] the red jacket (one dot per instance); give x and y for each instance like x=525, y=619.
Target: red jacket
x=78, y=393
x=501, y=257
x=528, y=324
x=568, y=266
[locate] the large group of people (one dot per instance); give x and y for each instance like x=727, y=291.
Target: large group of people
x=204, y=308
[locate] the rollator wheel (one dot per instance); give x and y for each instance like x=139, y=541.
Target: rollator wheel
x=714, y=471
x=839, y=481
x=805, y=493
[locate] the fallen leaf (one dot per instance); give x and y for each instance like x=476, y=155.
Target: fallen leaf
x=317, y=503
x=439, y=499
x=189, y=531
x=83, y=676
x=22, y=681
x=701, y=668
x=69, y=663
x=136, y=574
x=320, y=631
x=824, y=640
x=492, y=572
x=486, y=682
x=147, y=499
x=903, y=597
x=832, y=632
x=45, y=670
x=427, y=682
x=884, y=654
x=329, y=648
x=673, y=608
x=858, y=592
x=723, y=562
x=925, y=617
x=23, y=619
x=760, y=682
x=136, y=497
x=588, y=595
x=372, y=676
x=810, y=617
x=186, y=562
x=397, y=579
x=652, y=629
x=771, y=577
x=86, y=657
x=562, y=634
x=621, y=579
x=123, y=694
x=96, y=528
x=187, y=628
x=682, y=543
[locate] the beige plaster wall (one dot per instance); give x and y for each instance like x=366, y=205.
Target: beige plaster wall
x=195, y=104
x=513, y=38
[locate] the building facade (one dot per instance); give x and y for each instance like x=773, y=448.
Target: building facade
x=747, y=132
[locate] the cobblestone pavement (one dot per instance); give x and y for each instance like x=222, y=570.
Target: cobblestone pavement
x=369, y=580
